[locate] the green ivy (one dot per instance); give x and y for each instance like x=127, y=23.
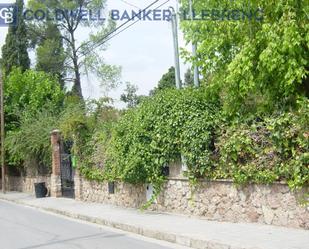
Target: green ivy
x=264, y=151
x=159, y=131
x=190, y=123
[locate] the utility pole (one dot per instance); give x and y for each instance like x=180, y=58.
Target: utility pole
x=176, y=48
x=194, y=48
x=2, y=132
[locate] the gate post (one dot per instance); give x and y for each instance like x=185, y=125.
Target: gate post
x=55, y=186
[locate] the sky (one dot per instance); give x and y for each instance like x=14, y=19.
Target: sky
x=144, y=51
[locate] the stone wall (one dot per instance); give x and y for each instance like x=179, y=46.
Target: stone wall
x=25, y=184
x=214, y=200
x=125, y=195
x=222, y=201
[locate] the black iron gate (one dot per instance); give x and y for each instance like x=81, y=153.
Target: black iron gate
x=67, y=172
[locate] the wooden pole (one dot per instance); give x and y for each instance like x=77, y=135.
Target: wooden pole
x=2, y=133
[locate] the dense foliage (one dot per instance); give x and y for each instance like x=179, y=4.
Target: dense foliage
x=50, y=55
x=274, y=148
x=29, y=145
x=28, y=92
x=259, y=63
x=32, y=102
x=167, y=81
x=158, y=132
x=191, y=124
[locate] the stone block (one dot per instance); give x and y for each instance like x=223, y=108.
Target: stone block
x=268, y=215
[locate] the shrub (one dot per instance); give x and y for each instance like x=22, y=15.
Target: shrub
x=262, y=151
x=159, y=131
x=190, y=123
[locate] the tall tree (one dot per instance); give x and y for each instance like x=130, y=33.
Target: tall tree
x=82, y=57
x=14, y=51
x=50, y=55
x=166, y=82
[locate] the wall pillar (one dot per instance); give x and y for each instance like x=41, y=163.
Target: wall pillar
x=55, y=185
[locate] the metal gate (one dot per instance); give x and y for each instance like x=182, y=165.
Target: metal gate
x=67, y=173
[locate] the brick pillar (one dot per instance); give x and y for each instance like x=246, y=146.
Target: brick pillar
x=78, y=185
x=55, y=185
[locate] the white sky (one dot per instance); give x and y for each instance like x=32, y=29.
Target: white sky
x=144, y=51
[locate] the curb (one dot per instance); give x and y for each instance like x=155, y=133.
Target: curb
x=182, y=240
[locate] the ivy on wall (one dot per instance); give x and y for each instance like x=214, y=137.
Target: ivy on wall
x=191, y=123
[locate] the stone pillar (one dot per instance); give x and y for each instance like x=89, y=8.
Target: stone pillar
x=78, y=185
x=55, y=184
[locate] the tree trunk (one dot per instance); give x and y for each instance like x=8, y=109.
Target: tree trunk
x=77, y=88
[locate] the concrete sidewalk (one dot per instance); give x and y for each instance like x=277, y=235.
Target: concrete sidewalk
x=192, y=232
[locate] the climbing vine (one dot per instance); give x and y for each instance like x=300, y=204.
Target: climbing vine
x=190, y=123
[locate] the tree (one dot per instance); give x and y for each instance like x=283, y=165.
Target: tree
x=50, y=55
x=26, y=93
x=259, y=56
x=33, y=102
x=14, y=51
x=189, y=78
x=167, y=81
x=82, y=57
x=129, y=96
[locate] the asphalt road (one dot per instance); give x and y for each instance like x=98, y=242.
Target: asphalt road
x=27, y=228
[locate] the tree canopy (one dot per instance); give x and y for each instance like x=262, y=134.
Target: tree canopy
x=130, y=96
x=82, y=57
x=50, y=56
x=29, y=92
x=258, y=63
x=167, y=81
x=14, y=51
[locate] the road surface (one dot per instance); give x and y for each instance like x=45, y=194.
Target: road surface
x=28, y=228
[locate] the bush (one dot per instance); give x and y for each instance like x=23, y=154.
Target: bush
x=190, y=123
x=29, y=92
x=29, y=145
x=159, y=131
x=32, y=102
x=263, y=151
